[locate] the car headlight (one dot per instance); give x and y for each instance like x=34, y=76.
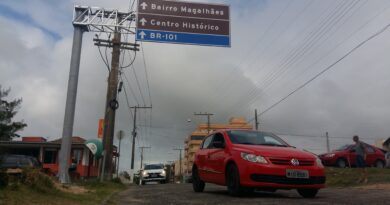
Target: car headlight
x=319, y=162
x=144, y=174
x=163, y=173
x=253, y=158
x=330, y=155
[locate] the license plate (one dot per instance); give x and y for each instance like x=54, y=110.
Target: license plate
x=300, y=174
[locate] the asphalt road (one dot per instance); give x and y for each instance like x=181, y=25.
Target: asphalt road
x=171, y=194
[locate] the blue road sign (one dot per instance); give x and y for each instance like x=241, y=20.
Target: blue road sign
x=172, y=21
x=183, y=38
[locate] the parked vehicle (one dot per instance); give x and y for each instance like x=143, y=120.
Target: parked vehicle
x=153, y=173
x=387, y=156
x=18, y=161
x=345, y=156
x=245, y=160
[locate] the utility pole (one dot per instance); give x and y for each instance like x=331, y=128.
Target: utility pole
x=208, y=119
x=180, y=172
x=327, y=142
x=111, y=99
x=120, y=136
x=256, y=120
x=134, y=133
x=85, y=20
x=111, y=106
x=142, y=154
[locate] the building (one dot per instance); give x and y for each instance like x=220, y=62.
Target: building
x=386, y=144
x=193, y=141
x=383, y=144
x=47, y=153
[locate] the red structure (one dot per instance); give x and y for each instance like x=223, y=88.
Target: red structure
x=47, y=153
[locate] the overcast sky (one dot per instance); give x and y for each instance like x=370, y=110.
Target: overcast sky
x=276, y=46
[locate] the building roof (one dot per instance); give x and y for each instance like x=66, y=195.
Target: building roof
x=75, y=140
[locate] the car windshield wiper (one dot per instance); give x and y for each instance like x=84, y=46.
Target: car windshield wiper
x=272, y=144
x=247, y=143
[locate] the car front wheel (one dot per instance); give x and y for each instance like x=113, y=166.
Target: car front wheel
x=233, y=181
x=197, y=184
x=379, y=164
x=341, y=163
x=308, y=193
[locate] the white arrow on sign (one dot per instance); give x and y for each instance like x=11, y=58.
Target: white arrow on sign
x=143, y=21
x=142, y=34
x=144, y=5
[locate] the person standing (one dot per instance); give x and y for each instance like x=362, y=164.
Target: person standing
x=361, y=154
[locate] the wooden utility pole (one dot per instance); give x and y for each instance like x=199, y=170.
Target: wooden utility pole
x=208, y=119
x=256, y=120
x=111, y=99
x=180, y=172
x=111, y=106
x=142, y=154
x=134, y=133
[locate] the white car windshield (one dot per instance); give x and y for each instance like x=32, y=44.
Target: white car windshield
x=153, y=166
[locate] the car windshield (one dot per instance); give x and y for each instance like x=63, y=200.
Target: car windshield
x=154, y=166
x=344, y=147
x=255, y=138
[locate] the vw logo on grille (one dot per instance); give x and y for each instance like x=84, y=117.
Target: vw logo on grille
x=294, y=162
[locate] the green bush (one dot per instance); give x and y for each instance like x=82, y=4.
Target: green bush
x=37, y=180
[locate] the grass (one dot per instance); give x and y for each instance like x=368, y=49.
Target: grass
x=43, y=192
x=345, y=177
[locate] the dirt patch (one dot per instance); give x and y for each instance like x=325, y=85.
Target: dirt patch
x=375, y=186
x=74, y=189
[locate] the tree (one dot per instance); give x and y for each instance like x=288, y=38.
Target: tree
x=8, y=110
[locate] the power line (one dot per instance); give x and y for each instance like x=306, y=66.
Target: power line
x=131, y=89
x=326, y=69
x=271, y=43
x=330, y=19
x=138, y=84
x=127, y=99
x=146, y=73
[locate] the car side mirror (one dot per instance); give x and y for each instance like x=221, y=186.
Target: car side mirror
x=218, y=144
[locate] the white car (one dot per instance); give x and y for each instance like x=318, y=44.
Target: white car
x=153, y=173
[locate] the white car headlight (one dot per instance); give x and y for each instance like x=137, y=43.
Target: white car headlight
x=144, y=174
x=319, y=162
x=253, y=158
x=163, y=173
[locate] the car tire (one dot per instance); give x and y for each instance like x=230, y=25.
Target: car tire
x=142, y=182
x=341, y=163
x=233, y=181
x=197, y=184
x=379, y=164
x=308, y=193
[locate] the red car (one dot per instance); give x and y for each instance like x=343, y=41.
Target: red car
x=346, y=157
x=245, y=160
